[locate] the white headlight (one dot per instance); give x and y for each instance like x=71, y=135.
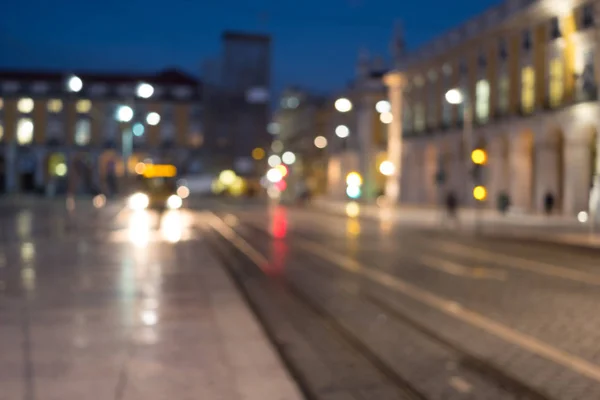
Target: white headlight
x=174, y=202
x=139, y=201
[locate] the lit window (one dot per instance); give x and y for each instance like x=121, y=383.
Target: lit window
x=419, y=117
x=83, y=106
x=82, y=132
x=527, y=90
x=1, y=104
x=1, y=131
x=25, y=105
x=24, y=131
x=557, y=88
x=482, y=105
x=503, y=92
x=55, y=106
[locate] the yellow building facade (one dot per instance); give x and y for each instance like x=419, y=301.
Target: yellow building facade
x=528, y=72
x=51, y=132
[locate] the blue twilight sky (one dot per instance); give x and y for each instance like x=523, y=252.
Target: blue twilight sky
x=316, y=42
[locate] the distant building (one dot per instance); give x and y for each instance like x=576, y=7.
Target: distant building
x=238, y=102
x=61, y=127
x=299, y=119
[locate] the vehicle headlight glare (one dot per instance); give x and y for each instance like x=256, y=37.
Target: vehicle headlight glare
x=174, y=202
x=139, y=201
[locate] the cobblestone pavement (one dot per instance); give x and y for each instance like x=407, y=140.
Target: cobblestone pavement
x=453, y=316
x=107, y=304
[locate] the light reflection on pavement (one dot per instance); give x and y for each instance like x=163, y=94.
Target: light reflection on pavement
x=104, y=303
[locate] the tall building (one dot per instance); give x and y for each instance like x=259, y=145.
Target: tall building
x=238, y=104
x=527, y=73
x=63, y=128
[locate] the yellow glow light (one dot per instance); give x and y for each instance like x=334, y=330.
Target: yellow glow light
x=480, y=193
x=479, y=156
x=227, y=177
x=160, y=171
x=238, y=187
x=352, y=209
x=354, y=179
x=258, y=154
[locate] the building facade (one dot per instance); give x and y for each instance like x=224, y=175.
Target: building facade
x=299, y=119
x=528, y=71
x=357, y=139
x=60, y=131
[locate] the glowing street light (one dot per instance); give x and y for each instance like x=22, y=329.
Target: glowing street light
x=227, y=177
x=288, y=158
x=274, y=175
x=479, y=156
x=342, y=131
x=383, y=106
x=354, y=179
x=343, y=105
x=386, y=117
x=153, y=118
x=454, y=96
x=480, y=193
x=320, y=142
x=258, y=154
x=124, y=114
x=74, y=84
x=145, y=90
x=274, y=160
x=387, y=168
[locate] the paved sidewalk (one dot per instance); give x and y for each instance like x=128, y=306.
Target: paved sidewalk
x=559, y=229
x=99, y=319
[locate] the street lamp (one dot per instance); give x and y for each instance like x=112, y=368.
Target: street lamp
x=386, y=117
x=74, y=84
x=383, y=106
x=288, y=158
x=124, y=114
x=320, y=142
x=454, y=96
x=153, y=118
x=342, y=131
x=145, y=90
x=343, y=105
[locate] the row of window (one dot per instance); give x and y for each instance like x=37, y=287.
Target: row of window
x=586, y=21
x=179, y=92
x=26, y=105
x=25, y=129
x=83, y=129
x=422, y=115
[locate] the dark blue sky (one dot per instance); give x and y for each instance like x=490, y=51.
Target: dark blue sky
x=316, y=42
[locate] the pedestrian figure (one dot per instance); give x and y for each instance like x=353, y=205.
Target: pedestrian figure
x=451, y=205
x=548, y=203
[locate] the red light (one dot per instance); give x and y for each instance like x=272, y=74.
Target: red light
x=281, y=185
x=283, y=169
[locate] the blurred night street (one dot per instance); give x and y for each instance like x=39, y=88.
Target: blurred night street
x=122, y=304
